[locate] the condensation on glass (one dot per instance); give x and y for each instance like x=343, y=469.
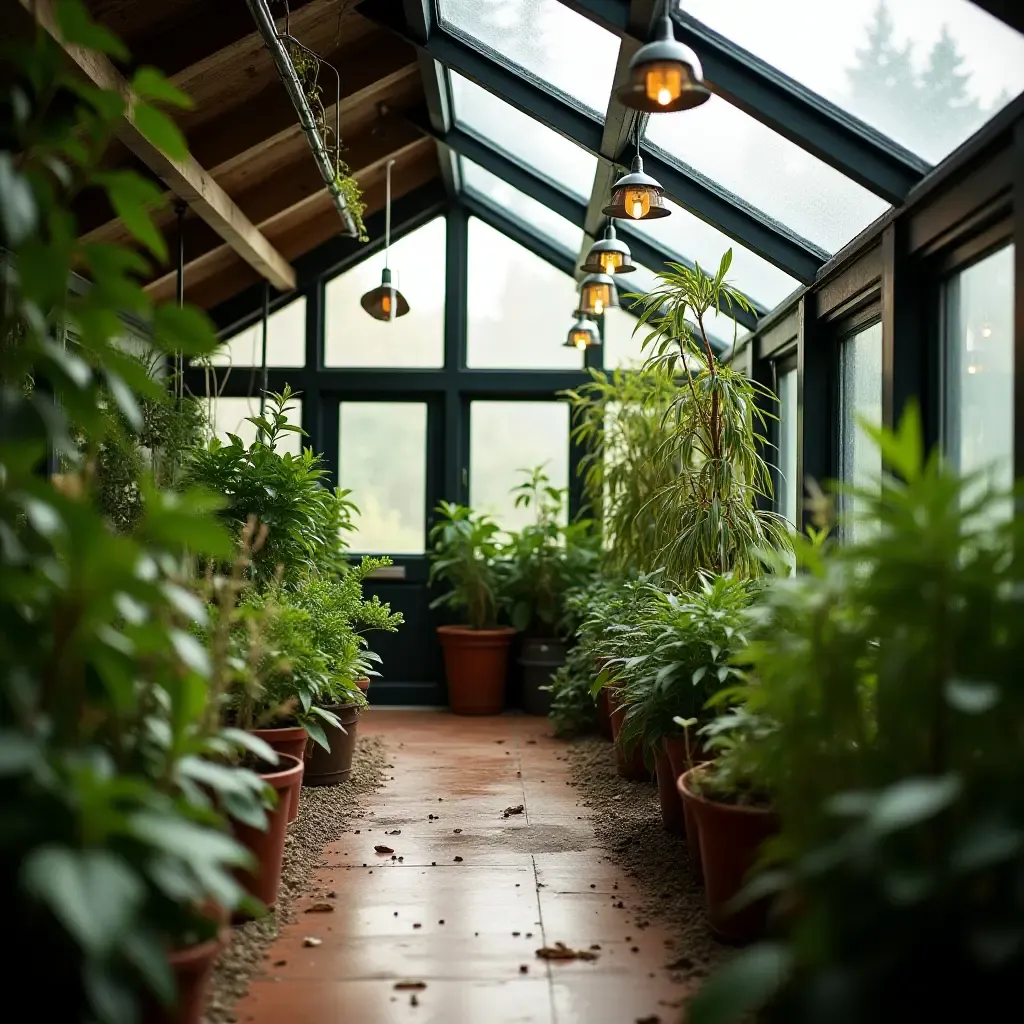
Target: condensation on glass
x=286, y=341
x=560, y=49
x=978, y=402
x=860, y=398
x=416, y=340
x=788, y=484
x=506, y=438
x=383, y=462
x=523, y=138
x=926, y=73
x=230, y=416
x=519, y=307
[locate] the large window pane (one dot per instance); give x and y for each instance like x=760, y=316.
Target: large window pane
x=520, y=307
x=927, y=73
x=622, y=346
x=383, y=462
x=860, y=397
x=496, y=192
x=688, y=236
x=286, y=340
x=507, y=437
x=229, y=416
x=788, y=484
x=978, y=420
x=354, y=338
x=738, y=153
x=530, y=143
x=552, y=44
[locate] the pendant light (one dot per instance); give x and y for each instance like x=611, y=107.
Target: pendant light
x=637, y=196
x=609, y=255
x=664, y=75
x=385, y=302
x=597, y=293
x=583, y=334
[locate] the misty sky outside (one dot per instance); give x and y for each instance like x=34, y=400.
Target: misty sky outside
x=926, y=73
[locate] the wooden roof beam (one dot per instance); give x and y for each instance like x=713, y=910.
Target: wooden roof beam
x=185, y=178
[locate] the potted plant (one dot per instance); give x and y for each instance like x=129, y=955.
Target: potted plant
x=543, y=562
x=464, y=554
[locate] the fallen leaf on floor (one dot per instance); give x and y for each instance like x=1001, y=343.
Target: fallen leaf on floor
x=509, y=811
x=560, y=951
x=280, y=963
x=458, y=860
x=456, y=830
x=524, y=968
x=410, y=986
x=395, y=832
x=383, y=849
x=320, y=908
x=311, y=942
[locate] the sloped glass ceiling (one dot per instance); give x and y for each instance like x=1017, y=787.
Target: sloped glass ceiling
x=525, y=140
x=556, y=47
x=926, y=73
x=505, y=199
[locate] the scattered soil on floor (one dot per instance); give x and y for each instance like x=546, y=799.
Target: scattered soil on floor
x=325, y=812
x=627, y=823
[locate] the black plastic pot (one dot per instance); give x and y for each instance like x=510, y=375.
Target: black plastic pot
x=539, y=658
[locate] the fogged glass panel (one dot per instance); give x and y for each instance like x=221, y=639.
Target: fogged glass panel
x=506, y=437
x=228, y=416
x=560, y=49
x=788, y=484
x=354, y=338
x=622, y=347
x=927, y=73
x=533, y=145
x=738, y=153
x=978, y=413
x=520, y=307
x=860, y=397
x=286, y=340
x=383, y=461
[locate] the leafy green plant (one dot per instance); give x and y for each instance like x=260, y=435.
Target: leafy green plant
x=305, y=519
x=464, y=553
x=712, y=437
x=546, y=559
x=572, y=702
x=890, y=672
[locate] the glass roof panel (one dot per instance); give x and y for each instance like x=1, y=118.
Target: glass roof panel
x=927, y=74
x=738, y=153
x=686, y=235
x=530, y=143
x=560, y=49
x=510, y=201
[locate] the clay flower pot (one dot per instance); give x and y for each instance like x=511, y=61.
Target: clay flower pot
x=668, y=794
x=363, y=684
x=730, y=837
x=333, y=767
x=476, y=664
x=268, y=846
x=675, y=749
x=630, y=766
x=287, y=740
x=191, y=967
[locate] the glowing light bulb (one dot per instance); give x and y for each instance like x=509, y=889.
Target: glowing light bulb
x=638, y=209
x=610, y=261
x=598, y=306
x=972, y=369
x=385, y=303
x=986, y=332
x=637, y=203
x=663, y=84
x=581, y=341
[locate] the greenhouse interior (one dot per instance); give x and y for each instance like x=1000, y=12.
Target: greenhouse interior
x=510, y=510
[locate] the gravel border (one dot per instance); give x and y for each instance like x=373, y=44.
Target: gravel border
x=627, y=823
x=325, y=812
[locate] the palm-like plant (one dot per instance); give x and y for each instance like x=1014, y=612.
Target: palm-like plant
x=712, y=436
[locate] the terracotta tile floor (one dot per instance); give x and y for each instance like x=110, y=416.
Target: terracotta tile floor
x=466, y=928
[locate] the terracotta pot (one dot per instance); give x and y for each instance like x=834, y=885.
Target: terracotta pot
x=191, y=967
x=363, y=684
x=334, y=766
x=730, y=837
x=287, y=740
x=604, y=714
x=268, y=846
x=668, y=794
x=476, y=664
x=630, y=766
x=675, y=748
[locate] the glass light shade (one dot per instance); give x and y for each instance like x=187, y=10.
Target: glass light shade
x=609, y=255
x=664, y=75
x=583, y=334
x=385, y=302
x=597, y=293
x=637, y=196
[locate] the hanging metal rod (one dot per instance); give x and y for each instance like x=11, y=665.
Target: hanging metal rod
x=329, y=169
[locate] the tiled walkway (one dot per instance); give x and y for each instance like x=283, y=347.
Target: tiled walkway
x=471, y=897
